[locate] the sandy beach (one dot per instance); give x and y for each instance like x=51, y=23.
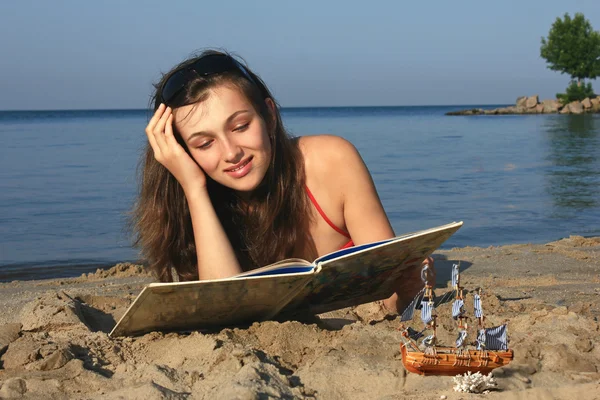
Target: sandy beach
x=54, y=340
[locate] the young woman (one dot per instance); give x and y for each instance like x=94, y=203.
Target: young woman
x=225, y=189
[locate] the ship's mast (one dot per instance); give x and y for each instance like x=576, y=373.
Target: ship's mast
x=427, y=307
x=479, y=310
x=458, y=307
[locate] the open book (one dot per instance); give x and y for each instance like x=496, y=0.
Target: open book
x=344, y=278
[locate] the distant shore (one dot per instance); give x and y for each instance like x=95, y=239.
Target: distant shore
x=54, y=343
x=532, y=105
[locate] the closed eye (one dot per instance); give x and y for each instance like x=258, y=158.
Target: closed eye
x=205, y=145
x=241, y=128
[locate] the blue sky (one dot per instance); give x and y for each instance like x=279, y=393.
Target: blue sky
x=76, y=54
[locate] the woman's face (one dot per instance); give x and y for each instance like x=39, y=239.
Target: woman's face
x=227, y=138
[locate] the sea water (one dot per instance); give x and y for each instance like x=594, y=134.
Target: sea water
x=68, y=178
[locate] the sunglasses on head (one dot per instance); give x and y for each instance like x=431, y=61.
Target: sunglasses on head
x=205, y=66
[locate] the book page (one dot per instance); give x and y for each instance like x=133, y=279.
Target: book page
x=369, y=273
x=209, y=304
x=287, y=266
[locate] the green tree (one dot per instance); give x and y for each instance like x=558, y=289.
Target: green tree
x=573, y=48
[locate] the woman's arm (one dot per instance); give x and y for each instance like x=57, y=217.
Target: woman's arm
x=216, y=258
x=365, y=217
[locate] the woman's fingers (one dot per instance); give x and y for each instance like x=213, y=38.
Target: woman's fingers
x=157, y=114
x=169, y=136
x=150, y=129
x=159, y=129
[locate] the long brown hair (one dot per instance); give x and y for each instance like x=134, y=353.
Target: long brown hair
x=269, y=226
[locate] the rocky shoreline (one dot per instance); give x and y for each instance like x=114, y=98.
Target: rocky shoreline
x=532, y=105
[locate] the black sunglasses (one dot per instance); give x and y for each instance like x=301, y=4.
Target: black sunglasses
x=205, y=66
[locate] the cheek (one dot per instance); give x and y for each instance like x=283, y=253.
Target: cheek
x=260, y=140
x=207, y=160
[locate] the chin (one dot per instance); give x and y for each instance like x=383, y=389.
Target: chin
x=244, y=188
x=246, y=184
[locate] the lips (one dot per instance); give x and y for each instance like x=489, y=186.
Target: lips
x=240, y=169
x=239, y=165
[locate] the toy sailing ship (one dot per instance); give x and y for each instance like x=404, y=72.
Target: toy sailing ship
x=421, y=352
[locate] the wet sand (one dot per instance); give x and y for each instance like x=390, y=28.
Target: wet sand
x=54, y=342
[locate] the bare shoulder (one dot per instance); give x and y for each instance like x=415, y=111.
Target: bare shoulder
x=337, y=171
x=328, y=153
x=333, y=165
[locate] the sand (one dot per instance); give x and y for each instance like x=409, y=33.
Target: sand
x=54, y=342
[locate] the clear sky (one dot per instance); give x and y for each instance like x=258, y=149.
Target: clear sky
x=76, y=54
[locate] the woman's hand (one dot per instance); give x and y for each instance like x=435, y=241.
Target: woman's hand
x=169, y=153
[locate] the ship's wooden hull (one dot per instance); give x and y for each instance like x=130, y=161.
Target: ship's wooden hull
x=445, y=361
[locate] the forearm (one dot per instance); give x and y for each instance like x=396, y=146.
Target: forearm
x=216, y=258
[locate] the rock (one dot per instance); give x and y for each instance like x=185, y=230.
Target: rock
x=522, y=110
x=532, y=101
x=586, y=103
x=472, y=111
x=551, y=106
x=575, y=107
x=507, y=110
x=13, y=388
x=531, y=105
x=8, y=334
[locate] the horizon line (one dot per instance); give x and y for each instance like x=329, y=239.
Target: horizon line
x=282, y=108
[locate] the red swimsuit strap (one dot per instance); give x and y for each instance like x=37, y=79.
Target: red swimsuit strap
x=314, y=201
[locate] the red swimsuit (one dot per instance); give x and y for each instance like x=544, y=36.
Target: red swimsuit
x=340, y=231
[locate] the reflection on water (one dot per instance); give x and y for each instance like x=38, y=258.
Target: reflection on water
x=573, y=177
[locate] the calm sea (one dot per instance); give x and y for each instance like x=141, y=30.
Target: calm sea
x=67, y=178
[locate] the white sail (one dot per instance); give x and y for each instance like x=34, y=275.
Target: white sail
x=429, y=341
x=409, y=311
x=458, y=308
x=477, y=306
x=495, y=338
x=462, y=335
x=426, y=310
x=455, y=275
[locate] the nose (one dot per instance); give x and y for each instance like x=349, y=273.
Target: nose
x=232, y=152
